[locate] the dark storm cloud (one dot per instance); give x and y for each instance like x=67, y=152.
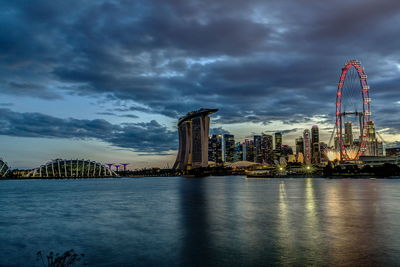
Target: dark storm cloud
x=28, y=89
x=257, y=61
x=132, y=116
x=107, y=113
x=141, y=137
x=286, y=131
x=6, y=104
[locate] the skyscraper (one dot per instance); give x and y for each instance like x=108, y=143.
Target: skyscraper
x=266, y=148
x=348, y=134
x=229, y=145
x=315, y=151
x=193, y=139
x=210, y=149
x=323, y=148
x=248, y=150
x=307, y=146
x=215, y=149
x=286, y=150
x=278, y=140
x=371, y=135
x=374, y=147
x=200, y=128
x=299, y=145
x=244, y=151
x=257, y=149
x=237, y=152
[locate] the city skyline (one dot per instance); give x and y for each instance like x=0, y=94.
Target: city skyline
x=106, y=81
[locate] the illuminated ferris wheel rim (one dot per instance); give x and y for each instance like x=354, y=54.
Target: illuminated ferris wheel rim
x=364, y=115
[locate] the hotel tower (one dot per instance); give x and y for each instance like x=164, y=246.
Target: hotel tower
x=193, y=140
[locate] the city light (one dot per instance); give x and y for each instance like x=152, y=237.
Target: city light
x=308, y=169
x=352, y=152
x=332, y=155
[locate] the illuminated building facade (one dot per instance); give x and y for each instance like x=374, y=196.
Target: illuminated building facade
x=278, y=140
x=244, y=151
x=323, y=148
x=300, y=157
x=215, y=149
x=307, y=146
x=237, y=152
x=257, y=149
x=229, y=147
x=248, y=150
x=374, y=147
x=291, y=158
x=286, y=151
x=315, y=151
x=267, y=148
x=193, y=131
x=299, y=145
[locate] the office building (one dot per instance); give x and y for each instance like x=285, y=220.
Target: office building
x=307, y=146
x=323, y=148
x=266, y=148
x=229, y=147
x=248, y=150
x=237, y=152
x=215, y=149
x=348, y=134
x=299, y=145
x=278, y=140
x=373, y=147
x=258, y=157
x=315, y=151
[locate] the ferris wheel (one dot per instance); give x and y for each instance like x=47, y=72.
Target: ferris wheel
x=352, y=105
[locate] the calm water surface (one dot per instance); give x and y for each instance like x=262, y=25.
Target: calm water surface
x=224, y=221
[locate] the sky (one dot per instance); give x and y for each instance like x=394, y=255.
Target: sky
x=107, y=80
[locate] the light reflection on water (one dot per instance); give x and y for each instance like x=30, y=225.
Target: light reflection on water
x=352, y=209
x=284, y=230
x=224, y=221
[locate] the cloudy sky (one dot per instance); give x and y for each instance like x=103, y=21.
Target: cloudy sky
x=106, y=80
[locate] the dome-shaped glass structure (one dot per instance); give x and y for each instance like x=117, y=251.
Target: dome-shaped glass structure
x=74, y=168
x=4, y=169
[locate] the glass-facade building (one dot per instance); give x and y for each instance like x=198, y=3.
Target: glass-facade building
x=315, y=151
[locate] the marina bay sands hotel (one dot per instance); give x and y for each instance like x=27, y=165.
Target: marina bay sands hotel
x=193, y=139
